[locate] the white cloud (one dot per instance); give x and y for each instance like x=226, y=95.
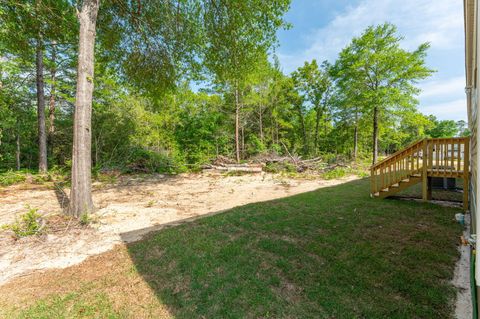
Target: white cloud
x=439, y=22
x=436, y=88
x=451, y=110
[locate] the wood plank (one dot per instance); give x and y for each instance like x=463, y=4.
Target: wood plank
x=373, y=181
x=424, y=172
x=452, y=160
x=430, y=154
x=459, y=155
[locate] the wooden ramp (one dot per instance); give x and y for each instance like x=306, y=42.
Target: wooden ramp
x=418, y=163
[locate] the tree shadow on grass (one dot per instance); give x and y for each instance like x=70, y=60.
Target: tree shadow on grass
x=333, y=252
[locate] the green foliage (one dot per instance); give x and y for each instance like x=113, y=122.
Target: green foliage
x=378, y=77
x=27, y=225
x=85, y=219
x=336, y=173
x=11, y=177
x=145, y=161
x=279, y=167
x=445, y=128
x=149, y=116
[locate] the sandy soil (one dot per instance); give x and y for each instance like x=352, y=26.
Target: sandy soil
x=461, y=278
x=128, y=210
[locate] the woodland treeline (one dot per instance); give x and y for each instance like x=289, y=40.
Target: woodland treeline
x=170, y=85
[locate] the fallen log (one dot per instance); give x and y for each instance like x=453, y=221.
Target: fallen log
x=247, y=168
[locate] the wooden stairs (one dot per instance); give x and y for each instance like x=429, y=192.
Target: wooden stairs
x=418, y=163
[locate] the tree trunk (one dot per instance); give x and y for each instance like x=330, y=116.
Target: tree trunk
x=355, y=136
x=304, y=130
x=237, y=123
x=242, y=155
x=42, y=136
x=81, y=193
x=317, y=125
x=276, y=132
x=17, y=151
x=51, y=108
x=355, y=142
x=375, y=134
x=260, y=117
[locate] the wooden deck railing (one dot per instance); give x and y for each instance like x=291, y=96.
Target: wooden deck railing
x=434, y=157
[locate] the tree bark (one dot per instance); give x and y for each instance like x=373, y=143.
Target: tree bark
x=81, y=192
x=355, y=142
x=375, y=135
x=261, y=124
x=317, y=126
x=355, y=137
x=304, y=130
x=17, y=151
x=237, y=123
x=42, y=136
x=276, y=132
x=51, y=108
x=242, y=154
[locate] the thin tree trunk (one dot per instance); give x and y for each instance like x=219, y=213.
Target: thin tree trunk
x=304, y=130
x=237, y=122
x=42, y=136
x=51, y=109
x=355, y=136
x=355, y=142
x=276, y=132
x=375, y=134
x=317, y=125
x=17, y=152
x=242, y=155
x=261, y=124
x=81, y=192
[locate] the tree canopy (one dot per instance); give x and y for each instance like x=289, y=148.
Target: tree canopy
x=176, y=84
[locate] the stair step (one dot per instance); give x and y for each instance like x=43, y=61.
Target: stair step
x=395, y=185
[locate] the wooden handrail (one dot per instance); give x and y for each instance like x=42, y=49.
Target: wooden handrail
x=442, y=157
x=396, y=153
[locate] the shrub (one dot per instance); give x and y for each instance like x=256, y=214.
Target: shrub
x=29, y=224
x=338, y=172
x=278, y=167
x=12, y=177
x=145, y=161
x=85, y=219
x=256, y=146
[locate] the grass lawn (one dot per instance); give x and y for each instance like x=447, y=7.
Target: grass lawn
x=331, y=253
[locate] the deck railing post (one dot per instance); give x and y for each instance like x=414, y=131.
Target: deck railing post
x=424, y=171
x=372, y=181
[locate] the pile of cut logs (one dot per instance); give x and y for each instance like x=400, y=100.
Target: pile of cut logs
x=256, y=165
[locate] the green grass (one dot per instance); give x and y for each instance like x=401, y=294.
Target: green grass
x=68, y=306
x=331, y=253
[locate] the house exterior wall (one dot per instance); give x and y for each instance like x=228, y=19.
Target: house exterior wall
x=472, y=55
x=472, y=92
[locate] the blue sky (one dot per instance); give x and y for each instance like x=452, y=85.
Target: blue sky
x=321, y=28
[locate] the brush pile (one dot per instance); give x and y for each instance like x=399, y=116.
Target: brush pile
x=272, y=162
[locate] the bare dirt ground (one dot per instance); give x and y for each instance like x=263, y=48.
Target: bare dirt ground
x=128, y=209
